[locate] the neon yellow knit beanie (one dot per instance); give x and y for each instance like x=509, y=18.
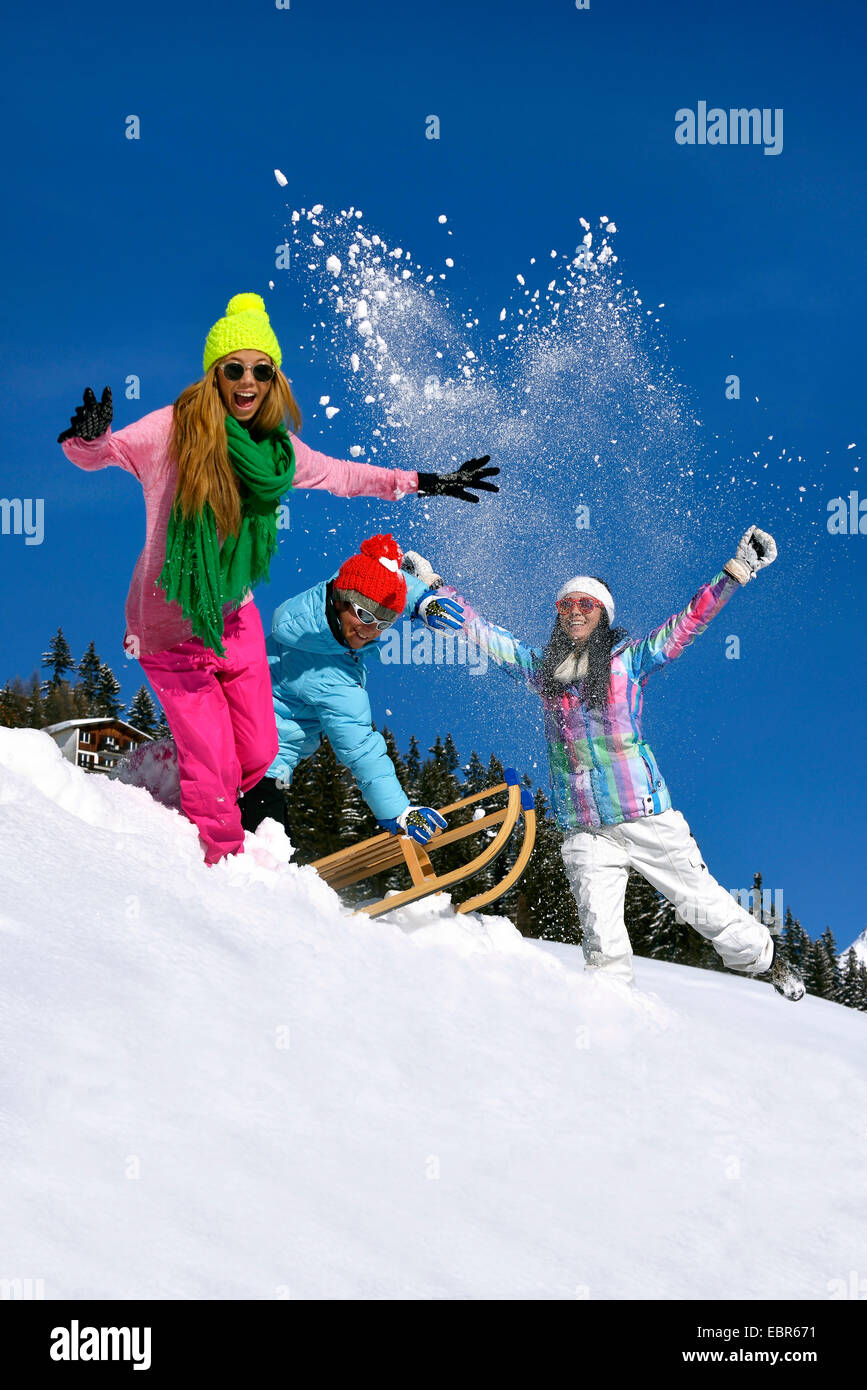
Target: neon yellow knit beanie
x=246, y=325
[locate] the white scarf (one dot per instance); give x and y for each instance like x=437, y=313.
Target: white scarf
x=572, y=669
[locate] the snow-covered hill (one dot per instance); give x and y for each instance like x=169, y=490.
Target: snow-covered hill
x=217, y=1083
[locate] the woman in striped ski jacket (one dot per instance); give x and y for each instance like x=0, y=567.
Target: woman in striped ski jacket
x=608, y=794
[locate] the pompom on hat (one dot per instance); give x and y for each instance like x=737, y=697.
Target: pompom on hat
x=584, y=584
x=246, y=325
x=373, y=579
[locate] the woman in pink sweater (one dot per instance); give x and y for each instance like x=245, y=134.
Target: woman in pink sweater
x=213, y=468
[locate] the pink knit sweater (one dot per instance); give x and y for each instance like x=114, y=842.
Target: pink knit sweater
x=142, y=448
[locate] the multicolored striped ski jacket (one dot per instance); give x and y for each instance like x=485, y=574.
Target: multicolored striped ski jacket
x=602, y=771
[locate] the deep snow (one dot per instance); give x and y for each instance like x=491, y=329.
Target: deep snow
x=218, y=1083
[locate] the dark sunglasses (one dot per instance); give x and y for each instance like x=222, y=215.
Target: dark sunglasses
x=370, y=619
x=262, y=371
x=585, y=604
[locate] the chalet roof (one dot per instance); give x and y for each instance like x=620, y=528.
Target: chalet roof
x=90, y=723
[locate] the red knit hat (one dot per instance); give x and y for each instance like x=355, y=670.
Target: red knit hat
x=373, y=579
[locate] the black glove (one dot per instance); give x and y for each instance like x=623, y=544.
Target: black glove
x=470, y=474
x=91, y=419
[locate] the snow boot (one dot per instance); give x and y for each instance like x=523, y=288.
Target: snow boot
x=264, y=800
x=783, y=976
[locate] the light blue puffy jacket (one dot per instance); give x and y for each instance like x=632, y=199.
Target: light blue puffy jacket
x=319, y=688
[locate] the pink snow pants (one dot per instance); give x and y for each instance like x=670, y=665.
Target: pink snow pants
x=221, y=714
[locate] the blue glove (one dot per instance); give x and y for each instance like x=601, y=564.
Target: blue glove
x=419, y=822
x=439, y=612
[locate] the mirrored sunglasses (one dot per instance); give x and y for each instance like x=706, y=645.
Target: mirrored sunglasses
x=262, y=371
x=565, y=605
x=370, y=619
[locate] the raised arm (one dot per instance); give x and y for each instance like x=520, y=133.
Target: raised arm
x=667, y=641
x=514, y=656
x=140, y=448
x=756, y=549
x=344, y=478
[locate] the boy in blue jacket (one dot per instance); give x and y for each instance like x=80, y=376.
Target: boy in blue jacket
x=320, y=643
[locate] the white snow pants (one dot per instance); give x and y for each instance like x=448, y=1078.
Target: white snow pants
x=662, y=849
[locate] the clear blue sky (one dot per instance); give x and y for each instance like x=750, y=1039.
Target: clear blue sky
x=120, y=254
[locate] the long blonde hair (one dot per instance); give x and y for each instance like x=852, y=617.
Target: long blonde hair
x=198, y=442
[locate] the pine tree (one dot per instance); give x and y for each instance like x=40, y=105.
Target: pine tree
x=475, y=775
x=328, y=794
x=161, y=729
x=496, y=771
x=546, y=907
x=664, y=935
x=14, y=705
x=450, y=755
x=108, y=690
x=795, y=941
x=356, y=824
x=87, y=686
x=818, y=975
x=413, y=770
x=829, y=946
x=8, y=719
x=850, y=986
x=35, y=707
x=641, y=911
x=303, y=812
x=437, y=784
x=357, y=821
x=59, y=704
x=142, y=713
x=396, y=758
x=59, y=659
x=862, y=986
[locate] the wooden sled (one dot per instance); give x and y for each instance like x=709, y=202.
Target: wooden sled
x=387, y=851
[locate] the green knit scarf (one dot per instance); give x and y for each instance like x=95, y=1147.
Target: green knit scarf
x=202, y=576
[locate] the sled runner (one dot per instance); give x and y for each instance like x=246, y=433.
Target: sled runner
x=388, y=851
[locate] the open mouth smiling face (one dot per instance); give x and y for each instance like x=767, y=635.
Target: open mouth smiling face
x=243, y=395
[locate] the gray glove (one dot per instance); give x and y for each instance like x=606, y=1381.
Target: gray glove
x=416, y=564
x=756, y=549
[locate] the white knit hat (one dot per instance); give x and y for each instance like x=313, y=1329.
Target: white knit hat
x=583, y=584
